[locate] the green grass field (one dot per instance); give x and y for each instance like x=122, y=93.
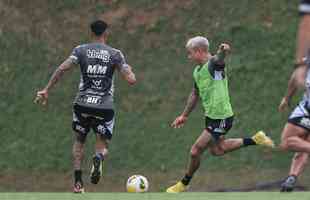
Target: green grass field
x=157, y=196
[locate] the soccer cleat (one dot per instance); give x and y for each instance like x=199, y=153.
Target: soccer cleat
x=78, y=187
x=96, y=171
x=177, y=188
x=261, y=138
x=288, y=184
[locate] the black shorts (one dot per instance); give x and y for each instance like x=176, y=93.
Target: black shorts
x=218, y=127
x=300, y=115
x=100, y=120
x=303, y=122
x=304, y=7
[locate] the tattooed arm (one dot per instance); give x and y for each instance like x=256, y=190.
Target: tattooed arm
x=125, y=69
x=128, y=74
x=191, y=102
x=65, y=66
x=42, y=95
x=190, y=105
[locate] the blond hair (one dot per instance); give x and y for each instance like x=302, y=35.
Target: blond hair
x=198, y=42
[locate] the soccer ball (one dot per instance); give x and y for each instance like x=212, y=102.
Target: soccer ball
x=137, y=183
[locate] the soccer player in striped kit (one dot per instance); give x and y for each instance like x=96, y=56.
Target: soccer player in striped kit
x=295, y=134
x=93, y=107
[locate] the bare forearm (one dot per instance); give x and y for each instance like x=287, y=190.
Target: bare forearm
x=57, y=75
x=303, y=39
x=292, y=87
x=128, y=75
x=55, y=78
x=191, y=103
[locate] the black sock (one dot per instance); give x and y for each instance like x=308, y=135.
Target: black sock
x=248, y=141
x=78, y=176
x=186, y=179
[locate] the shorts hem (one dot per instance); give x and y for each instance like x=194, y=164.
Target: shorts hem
x=299, y=125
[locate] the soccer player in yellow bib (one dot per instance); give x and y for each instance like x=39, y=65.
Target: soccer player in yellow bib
x=211, y=86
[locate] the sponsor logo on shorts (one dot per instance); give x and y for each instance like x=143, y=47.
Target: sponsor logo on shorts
x=101, y=129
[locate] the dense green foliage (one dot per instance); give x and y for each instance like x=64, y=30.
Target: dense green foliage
x=36, y=37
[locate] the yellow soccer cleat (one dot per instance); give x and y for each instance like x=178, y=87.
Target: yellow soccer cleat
x=177, y=188
x=261, y=138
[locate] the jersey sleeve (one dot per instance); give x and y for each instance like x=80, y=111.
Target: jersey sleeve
x=119, y=61
x=75, y=55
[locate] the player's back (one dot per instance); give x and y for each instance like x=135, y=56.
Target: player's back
x=97, y=63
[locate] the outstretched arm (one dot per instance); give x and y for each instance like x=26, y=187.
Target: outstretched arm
x=42, y=95
x=191, y=102
x=58, y=73
x=190, y=105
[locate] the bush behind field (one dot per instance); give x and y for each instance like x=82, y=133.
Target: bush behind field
x=152, y=35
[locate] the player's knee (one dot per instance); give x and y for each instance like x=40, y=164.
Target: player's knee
x=288, y=144
x=195, y=151
x=284, y=146
x=291, y=142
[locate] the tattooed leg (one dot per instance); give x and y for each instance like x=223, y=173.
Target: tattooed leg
x=78, y=153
